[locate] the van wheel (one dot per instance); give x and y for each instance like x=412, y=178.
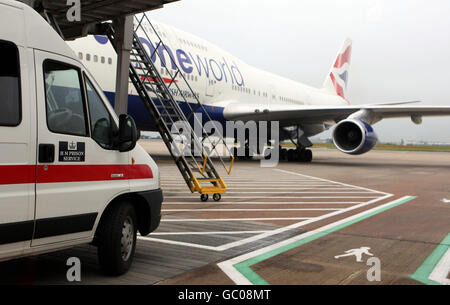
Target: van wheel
x=117, y=239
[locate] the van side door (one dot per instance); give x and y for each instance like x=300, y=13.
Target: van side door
x=17, y=145
x=85, y=172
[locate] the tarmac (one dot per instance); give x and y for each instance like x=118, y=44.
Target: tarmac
x=379, y=218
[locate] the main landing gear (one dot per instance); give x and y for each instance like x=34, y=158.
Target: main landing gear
x=296, y=155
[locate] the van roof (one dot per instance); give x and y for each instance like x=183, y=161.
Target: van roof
x=38, y=34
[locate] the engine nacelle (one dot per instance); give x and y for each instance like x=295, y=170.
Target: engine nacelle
x=354, y=137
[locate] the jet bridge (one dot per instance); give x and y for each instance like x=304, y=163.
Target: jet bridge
x=194, y=159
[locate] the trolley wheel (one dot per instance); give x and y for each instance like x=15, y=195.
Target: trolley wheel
x=204, y=197
x=217, y=197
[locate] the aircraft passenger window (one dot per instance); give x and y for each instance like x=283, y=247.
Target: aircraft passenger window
x=109, y=61
x=88, y=57
x=102, y=59
x=66, y=111
x=10, y=108
x=196, y=78
x=101, y=122
x=95, y=58
x=80, y=56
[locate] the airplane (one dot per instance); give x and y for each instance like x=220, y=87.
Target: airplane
x=231, y=90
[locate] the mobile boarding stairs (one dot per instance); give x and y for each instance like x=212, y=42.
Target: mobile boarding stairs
x=194, y=160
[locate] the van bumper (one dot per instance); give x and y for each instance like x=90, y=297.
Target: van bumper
x=153, y=199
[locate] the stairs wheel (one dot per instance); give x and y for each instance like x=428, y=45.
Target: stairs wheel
x=204, y=197
x=217, y=197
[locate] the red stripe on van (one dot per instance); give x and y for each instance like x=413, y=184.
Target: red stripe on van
x=19, y=174
x=83, y=173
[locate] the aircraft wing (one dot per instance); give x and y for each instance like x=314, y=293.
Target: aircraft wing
x=292, y=114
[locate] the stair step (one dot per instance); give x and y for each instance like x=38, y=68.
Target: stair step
x=208, y=179
x=212, y=190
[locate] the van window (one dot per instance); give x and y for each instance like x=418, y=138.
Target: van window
x=66, y=112
x=10, y=109
x=101, y=121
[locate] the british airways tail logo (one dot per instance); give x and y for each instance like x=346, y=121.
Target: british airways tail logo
x=343, y=58
x=189, y=63
x=339, y=75
x=339, y=89
x=343, y=76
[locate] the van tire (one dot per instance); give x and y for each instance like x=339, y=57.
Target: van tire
x=118, y=229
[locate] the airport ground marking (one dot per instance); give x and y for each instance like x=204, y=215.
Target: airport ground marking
x=250, y=210
x=177, y=243
x=262, y=202
x=238, y=268
x=301, y=192
x=208, y=233
x=381, y=196
x=326, y=180
x=315, y=188
x=279, y=197
x=298, y=224
x=436, y=267
x=233, y=219
x=258, y=183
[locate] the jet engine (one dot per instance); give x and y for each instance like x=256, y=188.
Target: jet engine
x=354, y=137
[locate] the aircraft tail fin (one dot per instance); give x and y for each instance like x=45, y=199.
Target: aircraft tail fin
x=336, y=80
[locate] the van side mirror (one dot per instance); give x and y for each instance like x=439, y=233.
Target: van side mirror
x=127, y=133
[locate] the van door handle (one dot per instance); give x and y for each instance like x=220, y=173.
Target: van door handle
x=46, y=153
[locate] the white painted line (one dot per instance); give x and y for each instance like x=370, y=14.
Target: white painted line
x=238, y=278
x=232, y=219
x=247, y=210
x=276, y=197
x=355, y=205
x=307, y=192
x=251, y=179
x=441, y=271
x=178, y=243
x=294, y=192
x=183, y=188
x=208, y=233
x=262, y=202
x=326, y=180
x=262, y=184
x=297, y=225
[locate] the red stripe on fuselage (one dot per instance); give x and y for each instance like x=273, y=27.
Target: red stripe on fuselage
x=19, y=174
x=166, y=80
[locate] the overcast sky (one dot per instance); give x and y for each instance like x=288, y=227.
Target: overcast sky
x=401, y=48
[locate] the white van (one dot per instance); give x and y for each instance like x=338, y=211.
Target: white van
x=70, y=171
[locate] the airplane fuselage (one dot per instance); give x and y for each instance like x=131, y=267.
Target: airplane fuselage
x=217, y=78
